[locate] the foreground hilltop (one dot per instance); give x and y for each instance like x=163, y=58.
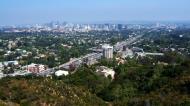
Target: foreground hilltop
x=44, y=92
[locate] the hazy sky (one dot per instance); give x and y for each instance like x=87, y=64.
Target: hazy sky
x=41, y=11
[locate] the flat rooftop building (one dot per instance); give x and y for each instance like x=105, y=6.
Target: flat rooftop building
x=107, y=51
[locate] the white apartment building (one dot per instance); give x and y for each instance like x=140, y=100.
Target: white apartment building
x=107, y=51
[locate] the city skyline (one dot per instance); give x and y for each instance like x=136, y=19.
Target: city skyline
x=85, y=11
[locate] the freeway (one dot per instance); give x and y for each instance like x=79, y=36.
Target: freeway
x=120, y=45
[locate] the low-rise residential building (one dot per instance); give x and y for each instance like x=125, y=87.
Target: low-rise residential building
x=36, y=68
x=92, y=58
x=120, y=60
x=102, y=70
x=6, y=63
x=127, y=53
x=1, y=75
x=1, y=66
x=61, y=73
x=19, y=73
